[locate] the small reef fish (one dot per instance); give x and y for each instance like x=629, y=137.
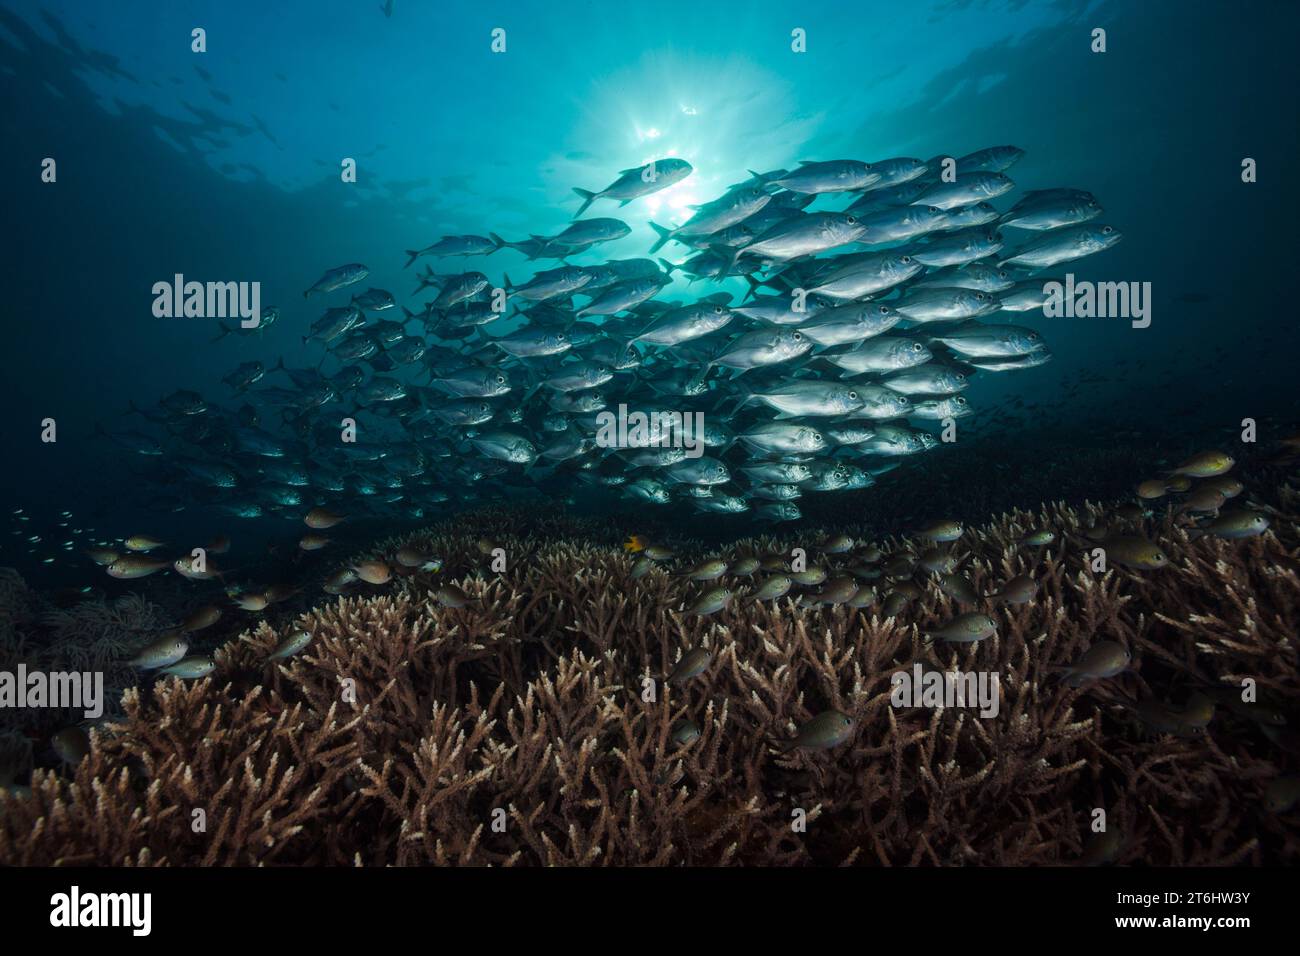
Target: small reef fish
x=291, y=644
x=828, y=729
x=966, y=629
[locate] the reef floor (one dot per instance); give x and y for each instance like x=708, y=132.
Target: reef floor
x=518, y=713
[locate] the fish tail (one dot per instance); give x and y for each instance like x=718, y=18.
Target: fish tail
x=664, y=235
x=588, y=197
x=746, y=396
x=225, y=330
x=497, y=242
x=534, y=383
x=414, y=254
x=668, y=267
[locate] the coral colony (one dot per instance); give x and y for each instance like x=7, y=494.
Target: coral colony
x=576, y=705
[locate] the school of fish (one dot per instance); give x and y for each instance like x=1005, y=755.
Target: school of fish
x=875, y=293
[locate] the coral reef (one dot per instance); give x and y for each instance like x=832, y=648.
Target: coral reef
x=533, y=726
x=98, y=634
x=92, y=635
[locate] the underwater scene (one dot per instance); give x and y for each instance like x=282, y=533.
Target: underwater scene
x=689, y=434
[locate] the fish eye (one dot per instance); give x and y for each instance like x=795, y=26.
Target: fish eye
x=717, y=310
x=798, y=336
x=853, y=396
x=851, y=220
x=960, y=400
x=917, y=346
x=934, y=210
x=501, y=379
x=906, y=260
x=1107, y=230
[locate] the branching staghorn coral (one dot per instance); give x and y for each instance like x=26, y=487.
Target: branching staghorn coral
x=259, y=781
x=534, y=726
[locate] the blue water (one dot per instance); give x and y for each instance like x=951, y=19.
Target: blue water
x=225, y=166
